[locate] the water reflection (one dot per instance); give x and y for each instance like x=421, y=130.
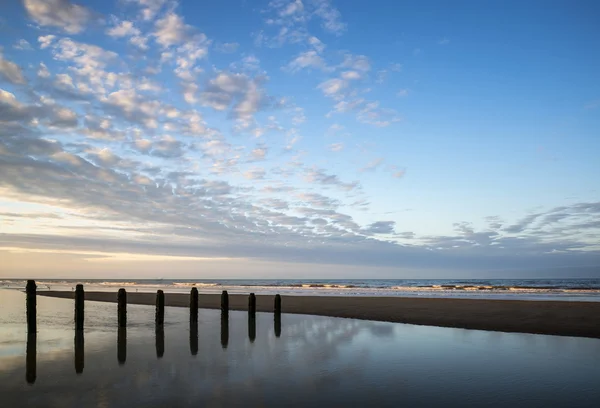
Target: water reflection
x=251, y=327
x=79, y=351
x=193, y=337
x=277, y=324
x=317, y=361
x=160, y=341
x=122, y=345
x=224, y=329
x=31, y=357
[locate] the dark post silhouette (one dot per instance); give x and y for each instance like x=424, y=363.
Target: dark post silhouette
x=31, y=304
x=225, y=302
x=159, y=315
x=79, y=301
x=160, y=341
x=277, y=324
x=194, y=305
x=224, y=329
x=277, y=304
x=122, y=345
x=79, y=351
x=194, y=338
x=31, y=357
x=122, y=307
x=252, y=304
x=251, y=327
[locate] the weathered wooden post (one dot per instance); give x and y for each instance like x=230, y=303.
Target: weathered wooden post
x=277, y=304
x=194, y=338
x=277, y=324
x=79, y=302
x=79, y=351
x=224, y=302
x=160, y=341
x=31, y=304
x=252, y=304
x=224, y=329
x=122, y=307
x=122, y=345
x=31, y=357
x=194, y=305
x=251, y=327
x=159, y=315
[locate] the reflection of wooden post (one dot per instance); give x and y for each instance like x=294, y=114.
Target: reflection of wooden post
x=224, y=329
x=122, y=307
x=194, y=338
x=122, y=345
x=160, y=341
x=251, y=327
x=252, y=304
x=31, y=357
x=31, y=304
x=159, y=315
x=194, y=305
x=277, y=324
x=79, y=301
x=224, y=302
x=79, y=352
x=277, y=304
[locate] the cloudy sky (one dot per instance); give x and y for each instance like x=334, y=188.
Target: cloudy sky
x=299, y=138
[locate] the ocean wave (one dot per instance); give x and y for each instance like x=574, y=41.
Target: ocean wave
x=198, y=284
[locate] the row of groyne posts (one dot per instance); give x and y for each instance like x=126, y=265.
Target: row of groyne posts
x=159, y=319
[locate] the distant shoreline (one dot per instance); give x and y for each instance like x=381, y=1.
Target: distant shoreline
x=562, y=318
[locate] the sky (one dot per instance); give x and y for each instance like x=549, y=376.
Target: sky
x=299, y=139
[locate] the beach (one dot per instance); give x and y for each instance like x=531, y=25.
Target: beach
x=578, y=319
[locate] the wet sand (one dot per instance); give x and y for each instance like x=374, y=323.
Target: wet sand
x=579, y=319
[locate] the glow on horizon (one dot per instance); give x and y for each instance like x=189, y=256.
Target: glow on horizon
x=291, y=135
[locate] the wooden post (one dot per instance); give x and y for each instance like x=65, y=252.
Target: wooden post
x=160, y=341
x=194, y=338
x=122, y=307
x=31, y=304
x=252, y=304
x=31, y=357
x=224, y=302
x=194, y=305
x=79, y=301
x=224, y=329
x=277, y=305
x=159, y=315
x=277, y=324
x=122, y=345
x=251, y=327
x=79, y=351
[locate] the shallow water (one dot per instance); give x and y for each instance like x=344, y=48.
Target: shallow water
x=315, y=360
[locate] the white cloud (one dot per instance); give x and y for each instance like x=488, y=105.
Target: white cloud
x=43, y=71
x=308, y=59
x=58, y=13
x=333, y=87
x=372, y=165
x=255, y=173
x=444, y=41
x=336, y=147
x=170, y=30
x=123, y=29
x=149, y=8
x=46, y=40
x=258, y=154
x=356, y=62
x=23, y=45
x=351, y=75
x=9, y=71
x=402, y=92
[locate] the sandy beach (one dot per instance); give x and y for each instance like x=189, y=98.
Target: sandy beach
x=579, y=319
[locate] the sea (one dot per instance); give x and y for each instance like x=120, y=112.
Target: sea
x=516, y=289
